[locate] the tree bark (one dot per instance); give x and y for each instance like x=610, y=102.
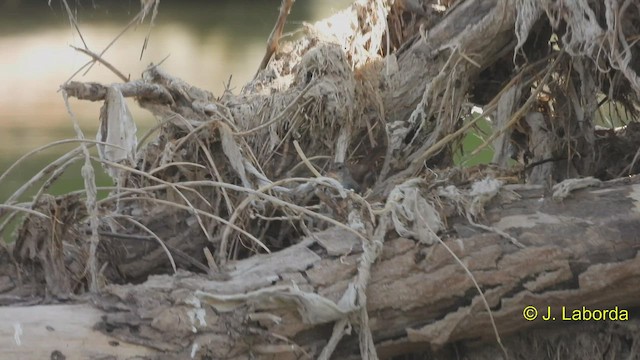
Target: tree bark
x=556, y=253
x=580, y=252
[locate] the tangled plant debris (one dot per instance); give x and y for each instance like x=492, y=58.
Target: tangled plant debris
x=389, y=93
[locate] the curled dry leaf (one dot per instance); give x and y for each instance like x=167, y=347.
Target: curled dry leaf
x=118, y=129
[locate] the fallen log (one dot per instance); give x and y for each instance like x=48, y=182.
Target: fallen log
x=578, y=258
x=435, y=259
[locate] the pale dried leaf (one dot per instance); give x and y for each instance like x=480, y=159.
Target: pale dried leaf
x=232, y=151
x=118, y=129
x=412, y=214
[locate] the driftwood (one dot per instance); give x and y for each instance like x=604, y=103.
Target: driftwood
x=577, y=255
x=215, y=244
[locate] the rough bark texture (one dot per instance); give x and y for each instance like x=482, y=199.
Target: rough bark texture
x=353, y=276
x=577, y=255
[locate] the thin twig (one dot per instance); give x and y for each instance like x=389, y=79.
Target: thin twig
x=49, y=145
x=280, y=115
x=524, y=108
x=260, y=193
x=104, y=62
x=276, y=33
x=305, y=160
x=153, y=235
x=473, y=279
x=22, y=209
x=88, y=175
x=138, y=17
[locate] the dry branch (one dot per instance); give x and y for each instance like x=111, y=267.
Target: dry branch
x=299, y=266
x=576, y=255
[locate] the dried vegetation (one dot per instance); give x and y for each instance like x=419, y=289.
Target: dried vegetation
x=384, y=87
